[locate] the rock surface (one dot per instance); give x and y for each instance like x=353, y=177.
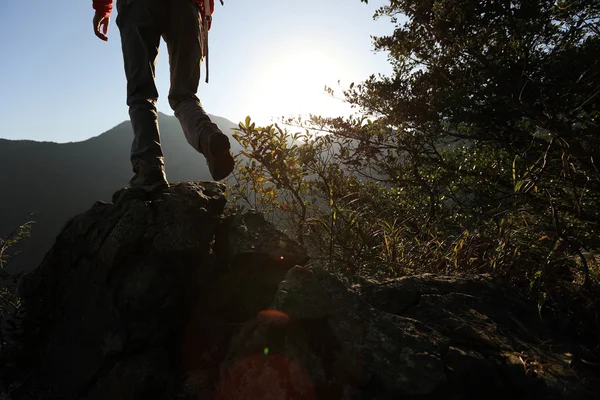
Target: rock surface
x=417, y=337
x=161, y=297
x=135, y=292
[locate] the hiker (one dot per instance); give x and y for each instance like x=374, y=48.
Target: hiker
x=183, y=24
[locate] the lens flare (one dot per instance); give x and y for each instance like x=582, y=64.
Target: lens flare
x=273, y=317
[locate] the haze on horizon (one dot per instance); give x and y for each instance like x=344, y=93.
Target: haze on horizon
x=60, y=83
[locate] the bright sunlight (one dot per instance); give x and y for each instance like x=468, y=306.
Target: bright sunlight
x=295, y=84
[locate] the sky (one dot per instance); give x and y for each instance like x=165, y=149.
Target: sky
x=268, y=59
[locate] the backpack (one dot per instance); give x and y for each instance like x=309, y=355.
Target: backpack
x=203, y=4
x=207, y=21
x=207, y=3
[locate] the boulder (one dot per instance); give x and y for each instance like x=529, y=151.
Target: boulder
x=136, y=292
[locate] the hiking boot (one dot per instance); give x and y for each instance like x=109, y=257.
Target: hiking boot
x=216, y=150
x=149, y=177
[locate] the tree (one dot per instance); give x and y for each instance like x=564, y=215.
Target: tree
x=479, y=153
x=503, y=98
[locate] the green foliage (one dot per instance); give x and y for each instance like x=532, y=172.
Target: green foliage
x=272, y=181
x=22, y=232
x=478, y=154
x=510, y=91
x=9, y=302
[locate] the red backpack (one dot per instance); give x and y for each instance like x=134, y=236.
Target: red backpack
x=207, y=22
x=203, y=5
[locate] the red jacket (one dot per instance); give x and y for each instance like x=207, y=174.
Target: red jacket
x=104, y=7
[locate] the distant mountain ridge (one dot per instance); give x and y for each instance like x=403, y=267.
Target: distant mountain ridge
x=46, y=178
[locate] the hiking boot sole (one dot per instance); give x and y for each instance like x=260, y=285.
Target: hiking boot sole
x=219, y=159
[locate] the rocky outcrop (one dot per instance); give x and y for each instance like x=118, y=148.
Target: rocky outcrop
x=135, y=292
x=333, y=345
x=417, y=337
x=161, y=297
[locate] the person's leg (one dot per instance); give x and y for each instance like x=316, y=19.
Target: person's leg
x=184, y=43
x=140, y=39
x=183, y=36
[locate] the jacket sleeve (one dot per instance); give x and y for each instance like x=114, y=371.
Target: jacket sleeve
x=102, y=7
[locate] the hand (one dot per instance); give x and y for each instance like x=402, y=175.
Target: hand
x=101, y=26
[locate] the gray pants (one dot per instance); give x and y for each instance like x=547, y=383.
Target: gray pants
x=142, y=23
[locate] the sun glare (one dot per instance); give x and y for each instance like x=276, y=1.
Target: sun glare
x=295, y=84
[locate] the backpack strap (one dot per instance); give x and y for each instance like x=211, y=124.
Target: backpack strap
x=207, y=23
x=208, y=8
